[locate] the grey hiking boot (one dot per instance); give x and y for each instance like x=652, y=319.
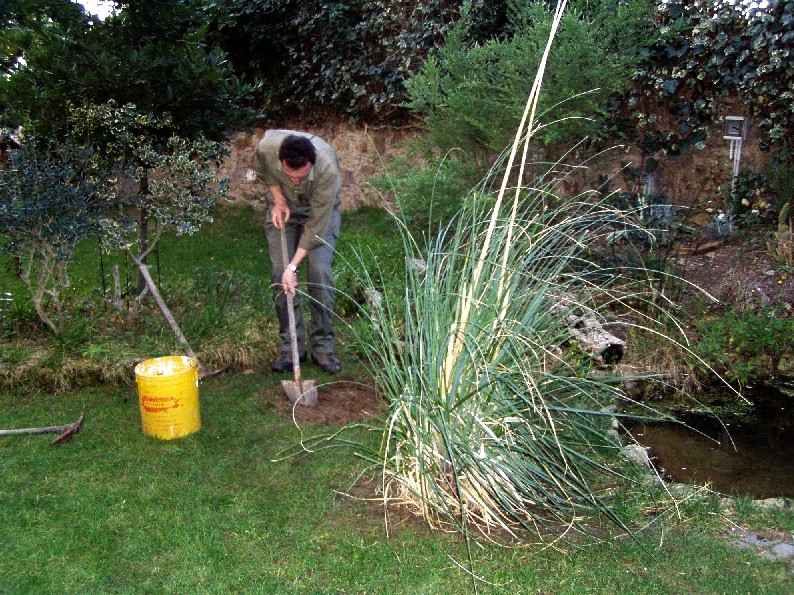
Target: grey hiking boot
x=284, y=362
x=326, y=361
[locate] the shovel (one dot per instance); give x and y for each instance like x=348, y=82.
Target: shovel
x=302, y=392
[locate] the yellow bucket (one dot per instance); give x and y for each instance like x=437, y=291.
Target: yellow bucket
x=168, y=396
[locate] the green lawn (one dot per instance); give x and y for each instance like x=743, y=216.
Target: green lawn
x=216, y=284
x=222, y=511
x=114, y=510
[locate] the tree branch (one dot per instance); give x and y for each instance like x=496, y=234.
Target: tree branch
x=66, y=431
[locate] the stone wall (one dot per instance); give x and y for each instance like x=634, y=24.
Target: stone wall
x=692, y=180
x=699, y=180
x=362, y=152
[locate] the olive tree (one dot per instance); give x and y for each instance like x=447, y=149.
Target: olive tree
x=48, y=204
x=153, y=55
x=181, y=182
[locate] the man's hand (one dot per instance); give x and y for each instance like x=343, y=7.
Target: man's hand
x=289, y=279
x=280, y=214
x=289, y=282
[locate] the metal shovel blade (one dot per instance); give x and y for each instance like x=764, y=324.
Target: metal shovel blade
x=304, y=393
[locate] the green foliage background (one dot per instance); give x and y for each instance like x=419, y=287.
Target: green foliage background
x=383, y=61
x=326, y=58
x=470, y=95
x=157, y=57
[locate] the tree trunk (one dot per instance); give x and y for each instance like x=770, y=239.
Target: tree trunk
x=143, y=234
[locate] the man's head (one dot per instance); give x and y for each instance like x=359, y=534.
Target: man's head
x=296, y=151
x=297, y=156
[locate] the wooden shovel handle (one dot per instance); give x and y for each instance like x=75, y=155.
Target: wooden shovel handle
x=291, y=315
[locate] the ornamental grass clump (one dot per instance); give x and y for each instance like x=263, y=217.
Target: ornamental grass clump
x=495, y=425
x=495, y=422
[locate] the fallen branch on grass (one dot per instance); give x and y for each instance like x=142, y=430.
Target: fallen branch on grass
x=66, y=431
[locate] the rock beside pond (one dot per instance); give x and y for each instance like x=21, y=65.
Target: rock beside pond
x=770, y=549
x=773, y=503
x=636, y=453
x=781, y=550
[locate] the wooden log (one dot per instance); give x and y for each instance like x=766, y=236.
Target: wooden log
x=596, y=341
x=586, y=328
x=66, y=431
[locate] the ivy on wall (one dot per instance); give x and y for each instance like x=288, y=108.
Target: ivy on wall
x=705, y=51
x=352, y=60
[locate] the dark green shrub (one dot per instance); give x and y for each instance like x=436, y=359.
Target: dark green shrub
x=335, y=58
x=471, y=96
x=371, y=260
x=428, y=195
x=779, y=176
x=48, y=204
x=748, y=195
x=707, y=50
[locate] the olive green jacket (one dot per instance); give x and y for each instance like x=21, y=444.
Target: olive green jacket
x=319, y=191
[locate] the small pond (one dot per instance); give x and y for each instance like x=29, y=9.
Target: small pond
x=743, y=456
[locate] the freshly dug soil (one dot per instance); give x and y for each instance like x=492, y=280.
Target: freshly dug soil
x=339, y=402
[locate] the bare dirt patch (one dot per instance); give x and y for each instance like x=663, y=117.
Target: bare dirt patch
x=339, y=402
x=740, y=273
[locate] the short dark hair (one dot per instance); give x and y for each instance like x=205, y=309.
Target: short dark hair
x=297, y=151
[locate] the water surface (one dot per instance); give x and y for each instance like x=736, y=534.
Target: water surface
x=747, y=456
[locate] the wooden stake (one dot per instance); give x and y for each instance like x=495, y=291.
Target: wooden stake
x=66, y=431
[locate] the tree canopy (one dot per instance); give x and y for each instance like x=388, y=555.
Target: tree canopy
x=198, y=60
x=153, y=54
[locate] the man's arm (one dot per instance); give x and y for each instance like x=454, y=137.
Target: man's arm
x=279, y=216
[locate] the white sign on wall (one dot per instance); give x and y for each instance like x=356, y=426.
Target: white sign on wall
x=736, y=132
x=735, y=128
